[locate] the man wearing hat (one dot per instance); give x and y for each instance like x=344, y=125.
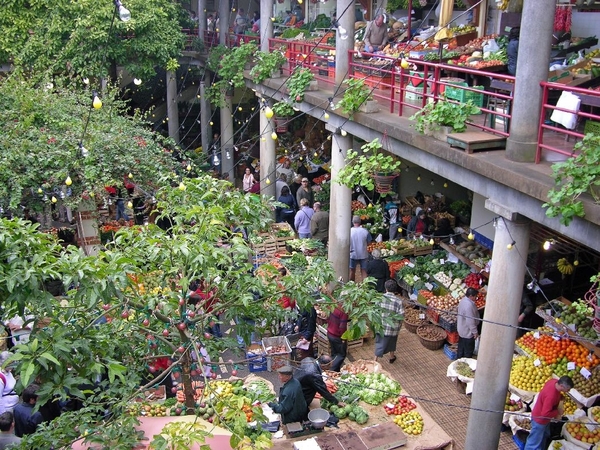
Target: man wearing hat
x=310, y=377
x=291, y=405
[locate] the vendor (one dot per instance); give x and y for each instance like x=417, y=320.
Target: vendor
x=512, y=50
x=419, y=224
x=290, y=20
x=311, y=379
x=291, y=404
x=376, y=35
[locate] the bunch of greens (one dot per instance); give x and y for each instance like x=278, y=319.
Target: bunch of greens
x=377, y=387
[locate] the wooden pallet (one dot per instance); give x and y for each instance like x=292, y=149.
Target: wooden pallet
x=472, y=141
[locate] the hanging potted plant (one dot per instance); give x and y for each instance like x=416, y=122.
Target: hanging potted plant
x=267, y=65
x=444, y=116
x=576, y=176
x=283, y=111
x=357, y=97
x=299, y=82
x=372, y=169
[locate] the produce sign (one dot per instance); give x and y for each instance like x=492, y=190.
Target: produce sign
x=400, y=405
x=410, y=422
x=529, y=374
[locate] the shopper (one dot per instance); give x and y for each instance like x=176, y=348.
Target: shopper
x=248, y=181
x=284, y=214
x=291, y=404
x=419, y=224
x=337, y=324
x=547, y=407
x=378, y=269
x=392, y=218
x=7, y=438
x=9, y=397
x=319, y=224
x=280, y=184
x=26, y=420
x=305, y=191
x=359, y=240
x=311, y=379
x=467, y=321
x=392, y=318
x=302, y=219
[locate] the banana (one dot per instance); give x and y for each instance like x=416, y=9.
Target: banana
x=564, y=266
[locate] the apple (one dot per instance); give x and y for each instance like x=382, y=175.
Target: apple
x=181, y=301
x=234, y=373
x=165, y=333
x=181, y=349
x=106, y=307
x=145, y=322
x=151, y=369
x=191, y=314
x=213, y=375
x=207, y=335
x=210, y=419
x=178, y=411
x=125, y=314
x=181, y=326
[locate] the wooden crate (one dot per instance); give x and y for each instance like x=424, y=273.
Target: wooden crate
x=420, y=251
x=436, y=220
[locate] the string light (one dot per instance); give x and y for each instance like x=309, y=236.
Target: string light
x=471, y=236
x=268, y=112
x=130, y=175
x=137, y=82
x=40, y=191
x=216, y=160
x=419, y=177
x=267, y=181
x=431, y=241
x=129, y=204
x=227, y=154
x=303, y=145
x=182, y=186
x=451, y=240
x=432, y=183
x=68, y=181
x=83, y=150
x=188, y=168
x=54, y=199
x=445, y=185
x=548, y=244
x=331, y=104
x=325, y=116
x=343, y=132
x=96, y=102
x=511, y=245
x=274, y=136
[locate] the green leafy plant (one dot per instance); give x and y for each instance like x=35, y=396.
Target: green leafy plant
x=291, y=33
x=228, y=69
x=444, y=113
x=356, y=93
x=361, y=168
x=283, y=109
x=576, y=176
x=298, y=83
x=180, y=436
x=266, y=64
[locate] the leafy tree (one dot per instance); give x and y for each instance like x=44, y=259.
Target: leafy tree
x=43, y=125
x=78, y=38
x=127, y=306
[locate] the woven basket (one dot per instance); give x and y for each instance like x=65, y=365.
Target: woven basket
x=429, y=344
x=412, y=323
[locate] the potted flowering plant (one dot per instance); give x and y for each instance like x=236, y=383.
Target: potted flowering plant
x=298, y=82
x=443, y=113
x=357, y=96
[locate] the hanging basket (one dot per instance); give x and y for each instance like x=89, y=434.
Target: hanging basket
x=383, y=183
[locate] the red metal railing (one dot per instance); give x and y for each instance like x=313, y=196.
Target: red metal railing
x=590, y=99
x=319, y=58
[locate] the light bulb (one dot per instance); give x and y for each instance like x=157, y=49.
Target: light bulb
x=432, y=183
x=470, y=236
x=510, y=246
x=86, y=81
x=343, y=133
x=445, y=185
x=68, y=181
x=299, y=2
x=326, y=116
x=316, y=154
x=301, y=158
x=343, y=33
x=83, y=150
x=576, y=262
x=62, y=194
x=137, y=81
x=547, y=245
x=92, y=194
x=216, y=160
x=40, y=190
x=182, y=186
x=124, y=13
x=188, y=168
x=303, y=145
x=49, y=86
x=451, y=240
x=54, y=199
x=130, y=175
x=129, y=204
x=263, y=139
x=530, y=285
x=97, y=103
x=109, y=201
x=45, y=198
x=211, y=123
x=227, y=154
x=274, y=136
x=329, y=137
x=272, y=19
x=268, y=112
x=267, y=181
x=419, y=178
x=239, y=108
x=431, y=241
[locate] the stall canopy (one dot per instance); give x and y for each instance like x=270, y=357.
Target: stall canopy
x=445, y=16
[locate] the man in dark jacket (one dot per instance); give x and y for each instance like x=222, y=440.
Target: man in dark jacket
x=26, y=421
x=378, y=269
x=291, y=405
x=311, y=379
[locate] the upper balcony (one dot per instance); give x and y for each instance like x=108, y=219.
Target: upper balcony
x=400, y=93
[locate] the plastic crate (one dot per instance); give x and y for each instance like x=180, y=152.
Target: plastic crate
x=258, y=365
x=277, y=360
x=450, y=327
x=451, y=351
x=463, y=95
x=433, y=315
x=414, y=93
x=452, y=337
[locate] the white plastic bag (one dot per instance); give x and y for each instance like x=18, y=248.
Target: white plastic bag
x=476, y=350
x=570, y=102
x=491, y=46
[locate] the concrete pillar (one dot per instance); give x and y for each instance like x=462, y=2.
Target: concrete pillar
x=172, y=107
x=205, y=112
x=535, y=42
x=201, y=13
x=346, y=18
x=340, y=213
x=227, y=138
x=496, y=347
x=224, y=12
x=266, y=25
x=267, y=156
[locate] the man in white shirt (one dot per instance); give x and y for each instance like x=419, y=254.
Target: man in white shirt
x=467, y=321
x=359, y=239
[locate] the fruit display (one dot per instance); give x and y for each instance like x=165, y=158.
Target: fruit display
x=569, y=404
x=594, y=413
x=512, y=404
x=392, y=248
x=526, y=375
x=400, y=405
x=474, y=280
x=147, y=409
x=443, y=279
x=580, y=431
x=431, y=333
x=410, y=422
x=471, y=250
x=587, y=387
x=564, y=266
x=413, y=317
x=579, y=314
x=376, y=388
x=523, y=422
x=424, y=267
x=443, y=302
